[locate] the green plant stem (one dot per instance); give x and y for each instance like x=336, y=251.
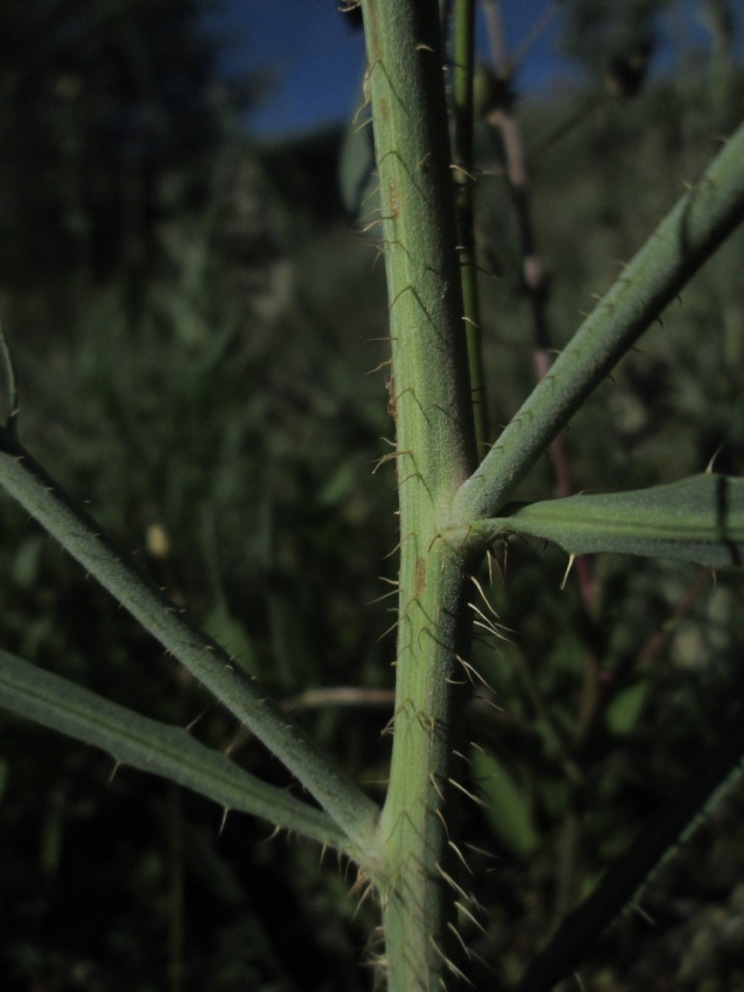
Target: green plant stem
x=419, y=901
x=464, y=71
x=690, y=233
x=435, y=452
x=155, y=747
x=45, y=500
x=431, y=387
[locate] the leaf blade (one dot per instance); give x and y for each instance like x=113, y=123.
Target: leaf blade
x=158, y=748
x=699, y=519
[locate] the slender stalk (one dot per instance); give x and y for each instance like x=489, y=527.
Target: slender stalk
x=45, y=500
x=464, y=72
x=435, y=451
x=697, y=225
x=617, y=888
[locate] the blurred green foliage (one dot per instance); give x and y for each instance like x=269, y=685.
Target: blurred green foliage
x=194, y=364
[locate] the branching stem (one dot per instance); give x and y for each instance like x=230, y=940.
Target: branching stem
x=45, y=500
x=697, y=225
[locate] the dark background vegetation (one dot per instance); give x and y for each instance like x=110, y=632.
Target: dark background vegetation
x=194, y=320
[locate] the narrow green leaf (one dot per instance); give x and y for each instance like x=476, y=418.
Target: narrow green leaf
x=507, y=809
x=700, y=519
x=155, y=747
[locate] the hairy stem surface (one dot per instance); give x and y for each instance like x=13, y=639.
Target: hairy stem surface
x=435, y=452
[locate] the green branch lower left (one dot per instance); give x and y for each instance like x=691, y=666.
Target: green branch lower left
x=172, y=752
x=45, y=500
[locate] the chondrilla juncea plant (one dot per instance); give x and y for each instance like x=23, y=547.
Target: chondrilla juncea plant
x=457, y=490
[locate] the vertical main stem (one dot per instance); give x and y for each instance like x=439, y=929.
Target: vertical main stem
x=419, y=823
x=431, y=384
x=435, y=452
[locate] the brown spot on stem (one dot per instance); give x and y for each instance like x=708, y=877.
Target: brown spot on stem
x=420, y=584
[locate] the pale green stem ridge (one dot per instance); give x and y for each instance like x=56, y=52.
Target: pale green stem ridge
x=45, y=500
x=418, y=903
x=155, y=747
x=435, y=452
x=432, y=394
x=689, y=234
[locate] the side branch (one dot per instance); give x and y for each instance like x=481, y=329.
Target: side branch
x=45, y=500
x=161, y=749
x=684, y=240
